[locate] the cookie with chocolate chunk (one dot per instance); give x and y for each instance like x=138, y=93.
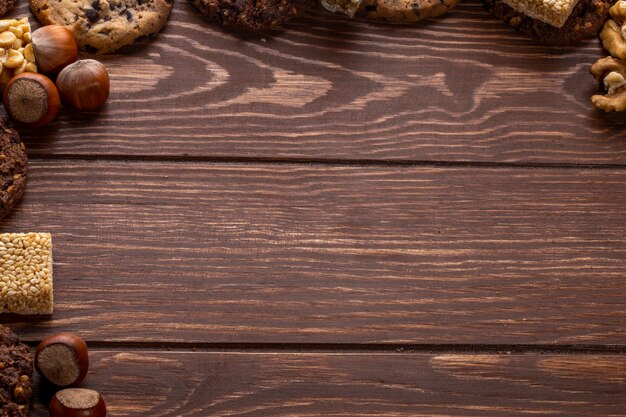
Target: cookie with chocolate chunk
x=6, y=6
x=13, y=167
x=586, y=19
x=405, y=11
x=101, y=26
x=252, y=15
x=16, y=373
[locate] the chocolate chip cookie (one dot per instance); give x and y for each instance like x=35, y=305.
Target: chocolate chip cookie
x=586, y=19
x=405, y=11
x=16, y=373
x=252, y=15
x=6, y=6
x=101, y=26
x=13, y=167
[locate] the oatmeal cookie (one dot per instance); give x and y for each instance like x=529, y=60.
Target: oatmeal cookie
x=586, y=19
x=252, y=15
x=101, y=26
x=405, y=11
x=13, y=167
x=16, y=373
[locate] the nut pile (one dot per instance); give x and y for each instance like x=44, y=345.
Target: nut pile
x=63, y=360
x=611, y=70
x=29, y=62
x=16, y=49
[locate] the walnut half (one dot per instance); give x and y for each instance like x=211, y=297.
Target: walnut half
x=612, y=72
x=613, y=38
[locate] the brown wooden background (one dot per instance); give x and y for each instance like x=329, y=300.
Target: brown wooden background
x=344, y=219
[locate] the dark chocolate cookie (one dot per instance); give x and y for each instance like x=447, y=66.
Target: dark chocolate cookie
x=13, y=167
x=586, y=19
x=16, y=373
x=6, y=6
x=104, y=25
x=252, y=15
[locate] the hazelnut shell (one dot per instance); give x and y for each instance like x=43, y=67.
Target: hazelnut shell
x=54, y=47
x=52, y=99
x=80, y=357
x=58, y=409
x=84, y=85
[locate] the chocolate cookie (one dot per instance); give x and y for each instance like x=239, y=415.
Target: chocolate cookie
x=405, y=11
x=16, y=373
x=104, y=25
x=13, y=167
x=586, y=19
x=6, y=6
x=252, y=15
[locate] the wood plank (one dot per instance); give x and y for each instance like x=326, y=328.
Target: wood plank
x=139, y=383
x=272, y=253
x=460, y=88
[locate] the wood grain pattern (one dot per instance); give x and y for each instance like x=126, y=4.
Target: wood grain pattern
x=461, y=88
x=154, y=252
x=285, y=385
x=225, y=253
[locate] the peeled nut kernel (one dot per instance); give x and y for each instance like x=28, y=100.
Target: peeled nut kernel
x=6, y=24
x=613, y=81
x=610, y=70
x=603, y=66
x=613, y=33
x=14, y=59
x=17, y=31
x=7, y=38
x=612, y=39
x=618, y=11
x=28, y=53
x=21, y=68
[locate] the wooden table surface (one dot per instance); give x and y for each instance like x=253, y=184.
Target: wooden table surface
x=344, y=219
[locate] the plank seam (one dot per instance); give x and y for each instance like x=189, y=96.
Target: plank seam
x=324, y=162
x=502, y=349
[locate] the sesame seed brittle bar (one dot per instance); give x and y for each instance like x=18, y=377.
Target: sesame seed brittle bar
x=553, y=12
x=26, y=273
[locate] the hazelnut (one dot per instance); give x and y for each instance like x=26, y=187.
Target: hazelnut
x=84, y=85
x=62, y=359
x=31, y=98
x=77, y=402
x=54, y=48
